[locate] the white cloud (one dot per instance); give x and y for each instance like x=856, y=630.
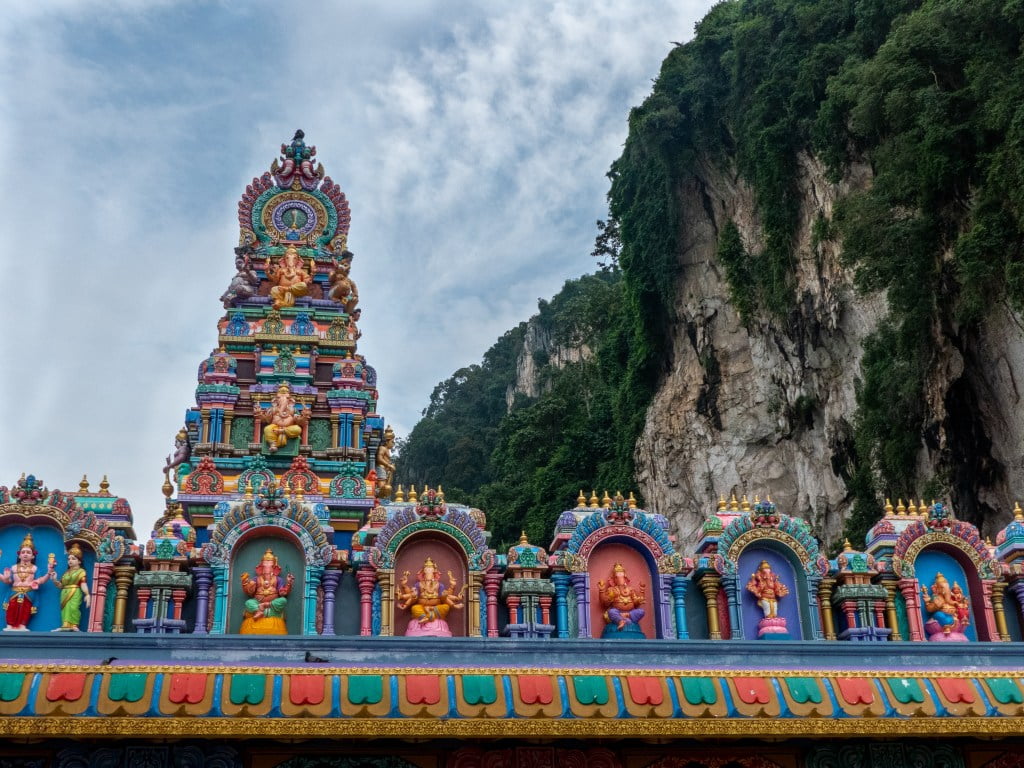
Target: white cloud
x=472, y=143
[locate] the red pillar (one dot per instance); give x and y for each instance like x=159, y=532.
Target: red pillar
x=366, y=578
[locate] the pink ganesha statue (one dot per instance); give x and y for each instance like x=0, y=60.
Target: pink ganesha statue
x=950, y=611
x=429, y=601
x=767, y=588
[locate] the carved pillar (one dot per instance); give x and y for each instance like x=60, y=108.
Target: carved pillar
x=205, y=431
x=366, y=579
x=229, y=416
x=994, y=634
x=579, y=584
x=733, y=598
x=123, y=575
x=492, y=582
x=890, y=610
x=313, y=576
x=144, y=594
x=561, y=582
x=204, y=578
x=663, y=623
x=679, y=605
x=514, y=611
x=908, y=588
x=335, y=430
x=545, y=610
x=100, y=581
x=178, y=597
x=709, y=584
x=387, y=603
x=850, y=611
x=825, y=605
x=330, y=582
x=220, y=601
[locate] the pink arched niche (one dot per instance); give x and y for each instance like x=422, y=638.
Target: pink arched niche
x=449, y=557
x=600, y=564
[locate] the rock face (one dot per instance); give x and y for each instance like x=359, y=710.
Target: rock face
x=539, y=350
x=768, y=409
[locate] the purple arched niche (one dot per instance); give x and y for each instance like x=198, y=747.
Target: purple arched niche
x=935, y=559
x=600, y=564
x=789, y=606
x=448, y=557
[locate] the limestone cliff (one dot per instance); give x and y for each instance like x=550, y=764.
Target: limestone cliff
x=767, y=407
x=540, y=349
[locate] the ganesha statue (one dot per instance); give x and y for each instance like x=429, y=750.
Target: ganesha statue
x=429, y=601
x=622, y=605
x=268, y=597
x=767, y=588
x=283, y=422
x=949, y=610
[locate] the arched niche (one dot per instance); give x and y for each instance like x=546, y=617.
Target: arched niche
x=448, y=556
x=957, y=568
x=247, y=554
x=640, y=569
x=785, y=565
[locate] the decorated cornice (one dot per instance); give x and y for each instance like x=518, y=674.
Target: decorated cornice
x=456, y=522
x=617, y=521
x=764, y=524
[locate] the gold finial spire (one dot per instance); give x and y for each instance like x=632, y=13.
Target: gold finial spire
x=104, y=485
x=167, y=488
x=581, y=500
x=413, y=496
x=847, y=546
x=922, y=508
x=745, y=504
x=632, y=500
x=83, y=486
x=297, y=491
x=721, y=503
x=522, y=538
x=606, y=500
x=440, y=492
x=399, y=494
x=593, y=499
x=888, y=508
x=988, y=541
x=768, y=498
x=733, y=504
x=912, y=509
x=757, y=499
x=1018, y=513
x=901, y=510
x=249, y=489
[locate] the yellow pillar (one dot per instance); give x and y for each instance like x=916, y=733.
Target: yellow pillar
x=997, y=606
x=123, y=577
x=890, y=610
x=709, y=585
x=825, y=603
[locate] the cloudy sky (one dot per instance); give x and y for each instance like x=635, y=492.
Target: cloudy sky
x=472, y=140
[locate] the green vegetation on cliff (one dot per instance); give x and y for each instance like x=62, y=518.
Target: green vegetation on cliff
x=927, y=92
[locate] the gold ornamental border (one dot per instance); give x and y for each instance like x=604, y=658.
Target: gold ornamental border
x=242, y=727
x=1017, y=673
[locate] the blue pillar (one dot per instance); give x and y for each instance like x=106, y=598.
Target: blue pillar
x=561, y=581
x=679, y=605
x=313, y=576
x=735, y=611
x=220, y=600
x=815, y=630
x=580, y=582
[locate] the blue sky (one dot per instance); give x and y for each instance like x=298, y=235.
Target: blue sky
x=472, y=141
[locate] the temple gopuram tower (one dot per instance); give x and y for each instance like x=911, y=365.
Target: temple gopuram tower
x=283, y=452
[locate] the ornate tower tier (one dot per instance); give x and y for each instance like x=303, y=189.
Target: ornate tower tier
x=285, y=399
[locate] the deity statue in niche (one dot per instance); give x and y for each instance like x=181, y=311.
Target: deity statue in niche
x=429, y=601
x=621, y=602
x=949, y=611
x=74, y=590
x=289, y=277
x=244, y=285
x=767, y=589
x=343, y=288
x=268, y=596
x=283, y=421
x=22, y=578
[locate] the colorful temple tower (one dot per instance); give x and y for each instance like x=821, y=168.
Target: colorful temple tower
x=284, y=452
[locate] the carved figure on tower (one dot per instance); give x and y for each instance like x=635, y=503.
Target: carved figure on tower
x=19, y=607
x=296, y=164
x=384, y=463
x=949, y=611
x=283, y=421
x=268, y=593
x=182, y=451
x=343, y=288
x=289, y=277
x=244, y=285
x=74, y=590
x=621, y=602
x=429, y=601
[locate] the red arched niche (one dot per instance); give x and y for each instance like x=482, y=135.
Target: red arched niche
x=448, y=557
x=599, y=566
